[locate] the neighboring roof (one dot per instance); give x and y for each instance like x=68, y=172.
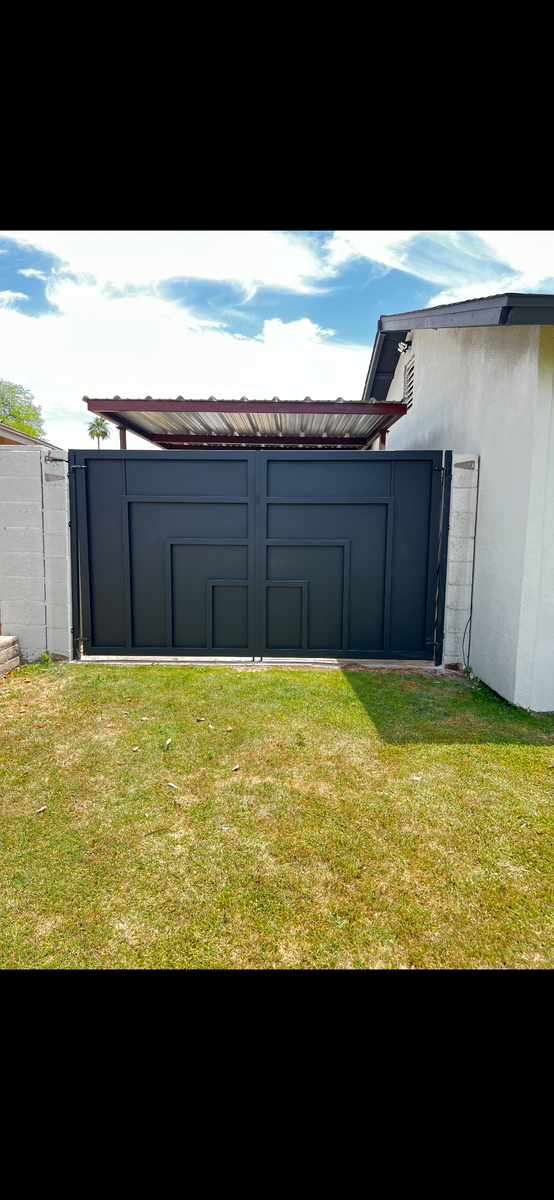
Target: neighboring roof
x=14, y=437
x=232, y=424
x=509, y=308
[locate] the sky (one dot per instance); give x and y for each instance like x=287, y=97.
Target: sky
x=288, y=313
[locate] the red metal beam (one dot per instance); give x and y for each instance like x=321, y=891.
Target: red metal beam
x=352, y=408
x=250, y=440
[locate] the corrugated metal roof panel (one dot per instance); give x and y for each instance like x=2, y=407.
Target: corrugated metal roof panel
x=231, y=420
x=274, y=424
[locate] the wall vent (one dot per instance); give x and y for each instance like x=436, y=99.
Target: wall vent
x=409, y=383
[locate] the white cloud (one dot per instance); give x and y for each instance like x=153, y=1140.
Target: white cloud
x=380, y=245
x=271, y=258
x=7, y=298
x=529, y=253
x=143, y=346
x=473, y=291
x=146, y=256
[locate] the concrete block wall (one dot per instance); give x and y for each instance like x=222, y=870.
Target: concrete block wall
x=461, y=546
x=35, y=574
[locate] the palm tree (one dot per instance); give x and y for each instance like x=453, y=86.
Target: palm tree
x=99, y=429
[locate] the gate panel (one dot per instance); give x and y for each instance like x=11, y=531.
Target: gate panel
x=205, y=525
x=329, y=553
x=361, y=533
x=164, y=552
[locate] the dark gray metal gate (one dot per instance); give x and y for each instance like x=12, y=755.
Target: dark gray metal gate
x=319, y=554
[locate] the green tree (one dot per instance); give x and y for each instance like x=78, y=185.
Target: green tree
x=18, y=410
x=99, y=429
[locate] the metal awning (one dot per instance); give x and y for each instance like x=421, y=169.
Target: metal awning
x=230, y=424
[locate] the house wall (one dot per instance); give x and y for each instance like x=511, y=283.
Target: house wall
x=534, y=685
x=35, y=598
x=490, y=390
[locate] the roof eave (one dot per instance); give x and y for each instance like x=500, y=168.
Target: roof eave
x=510, y=308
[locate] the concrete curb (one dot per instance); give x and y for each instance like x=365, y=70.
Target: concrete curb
x=414, y=666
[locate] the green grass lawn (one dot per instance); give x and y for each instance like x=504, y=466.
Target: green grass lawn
x=374, y=821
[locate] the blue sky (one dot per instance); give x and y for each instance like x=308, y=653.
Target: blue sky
x=261, y=313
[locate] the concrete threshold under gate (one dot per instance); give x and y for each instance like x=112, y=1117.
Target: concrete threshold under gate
x=326, y=664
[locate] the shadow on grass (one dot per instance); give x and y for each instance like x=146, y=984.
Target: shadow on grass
x=416, y=708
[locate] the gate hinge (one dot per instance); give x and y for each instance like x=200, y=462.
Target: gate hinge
x=79, y=467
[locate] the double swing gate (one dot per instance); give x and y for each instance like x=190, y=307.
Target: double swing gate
x=259, y=553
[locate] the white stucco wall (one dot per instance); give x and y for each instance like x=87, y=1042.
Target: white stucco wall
x=489, y=392
x=534, y=685
x=35, y=599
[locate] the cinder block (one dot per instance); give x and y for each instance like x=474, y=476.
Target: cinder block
x=55, y=522
x=460, y=549
x=32, y=642
x=21, y=564
x=467, y=479
x=16, y=613
x=452, y=648
x=58, y=616
x=462, y=477
x=21, y=587
x=55, y=490
x=57, y=591
x=455, y=620
x=462, y=524
x=14, y=462
x=59, y=642
x=463, y=500
x=57, y=570
x=17, y=514
x=57, y=508
x=459, y=574
x=17, y=540
x=458, y=596
x=56, y=545
x=20, y=489
x=57, y=476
